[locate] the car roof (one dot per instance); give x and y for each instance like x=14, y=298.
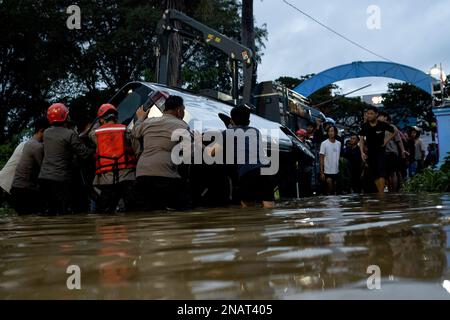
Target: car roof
x=206, y=110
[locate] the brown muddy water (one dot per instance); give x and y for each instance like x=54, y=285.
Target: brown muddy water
x=318, y=248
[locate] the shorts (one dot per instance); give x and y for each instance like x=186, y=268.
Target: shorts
x=256, y=187
x=392, y=163
x=333, y=177
x=377, y=165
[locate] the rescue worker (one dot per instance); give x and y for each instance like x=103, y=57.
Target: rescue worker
x=61, y=147
x=25, y=190
x=115, y=162
x=249, y=159
x=158, y=182
x=8, y=170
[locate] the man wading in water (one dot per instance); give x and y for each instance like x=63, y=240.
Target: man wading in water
x=373, y=133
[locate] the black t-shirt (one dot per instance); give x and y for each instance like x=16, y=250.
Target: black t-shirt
x=375, y=135
x=251, y=154
x=353, y=155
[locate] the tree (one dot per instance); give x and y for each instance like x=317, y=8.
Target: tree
x=33, y=57
x=289, y=82
x=404, y=100
x=42, y=61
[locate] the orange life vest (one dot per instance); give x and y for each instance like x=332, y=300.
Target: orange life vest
x=113, y=153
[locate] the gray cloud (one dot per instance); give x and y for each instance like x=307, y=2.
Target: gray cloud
x=412, y=32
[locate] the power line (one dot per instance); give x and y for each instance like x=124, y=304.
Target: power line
x=337, y=33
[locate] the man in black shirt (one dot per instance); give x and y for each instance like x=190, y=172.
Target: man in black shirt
x=373, y=135
x=353, y=155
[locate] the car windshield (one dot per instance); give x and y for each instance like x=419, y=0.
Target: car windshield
x=129, y=99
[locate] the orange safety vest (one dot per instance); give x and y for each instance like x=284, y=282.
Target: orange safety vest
x=113, y=153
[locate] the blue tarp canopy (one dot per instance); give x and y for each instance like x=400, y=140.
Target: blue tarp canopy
x=362, y=69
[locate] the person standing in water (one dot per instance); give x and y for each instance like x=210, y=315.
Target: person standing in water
x=330, y=151
x=373, y=135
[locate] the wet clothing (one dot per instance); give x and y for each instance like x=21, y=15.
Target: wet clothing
x=156, y=133
x=393, y=154
x=377, y=165
x=375, y=136
x=59, y=174
x=124, y=174
x=333, y=177
x=111, y=194
x=244, y=155
x=305, y=168
x=58, y=196
x=61, y=145
x=392, y=145
x=115, y=168
x=114, y=153
x=392, y=163
x=159, y=193
x=431, y=158
x=419, y=150
x=416, y=160
x=27, y=201
x=331, y=151
x=248, y=154
x=353, y=156
x=8, y=171
x=26, y=197
x=27, y=170
x=376, y=151
x=158, y=182
x=254, y=187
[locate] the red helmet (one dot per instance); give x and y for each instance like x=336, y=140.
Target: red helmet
x=57, y=112
x=301, y=132
x=106, y=108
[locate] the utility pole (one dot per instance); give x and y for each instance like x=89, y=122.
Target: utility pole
x=175, y=47
x=248, y=40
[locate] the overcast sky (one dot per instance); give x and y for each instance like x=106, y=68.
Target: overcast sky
x=413, y=32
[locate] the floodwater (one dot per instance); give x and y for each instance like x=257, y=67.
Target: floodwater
x=318, y=248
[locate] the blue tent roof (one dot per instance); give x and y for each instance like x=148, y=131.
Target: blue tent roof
x=360, y=69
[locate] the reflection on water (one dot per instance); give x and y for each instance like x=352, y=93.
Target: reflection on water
x=315, y=248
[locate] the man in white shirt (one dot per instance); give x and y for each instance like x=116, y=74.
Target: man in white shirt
x=8, y=171
x=330, y=152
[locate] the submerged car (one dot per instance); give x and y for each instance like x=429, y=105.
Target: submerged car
x=210, y=184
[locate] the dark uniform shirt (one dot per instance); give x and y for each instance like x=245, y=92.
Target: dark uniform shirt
x=27, y=170
x=61, y=145
x=353, y=155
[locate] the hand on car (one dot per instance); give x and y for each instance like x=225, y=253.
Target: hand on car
x=141, y=114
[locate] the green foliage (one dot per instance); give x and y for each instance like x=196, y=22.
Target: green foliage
x=430, y=180
x=42, y=61
x=446, y=165
x=289, y=82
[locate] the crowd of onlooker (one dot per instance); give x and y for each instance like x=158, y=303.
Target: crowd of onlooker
x=379, y=157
